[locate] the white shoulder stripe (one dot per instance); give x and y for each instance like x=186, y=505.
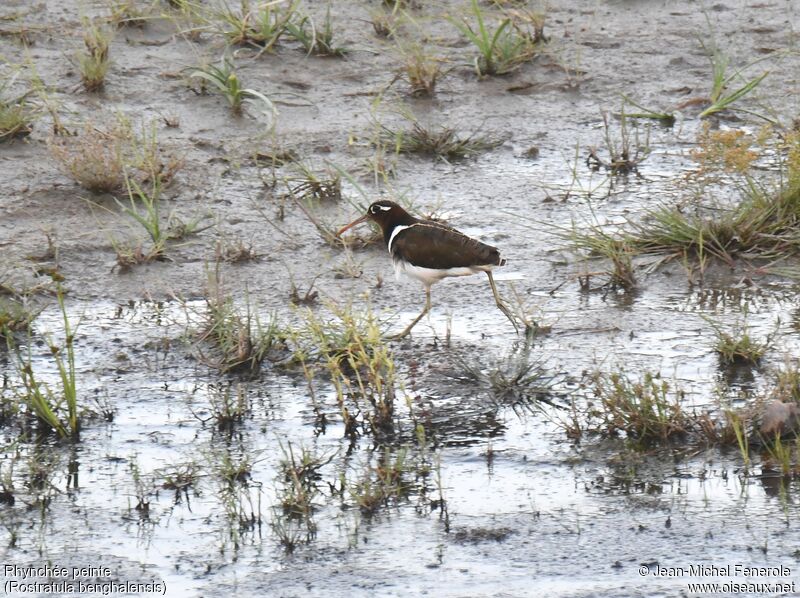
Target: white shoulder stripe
x=397, y=229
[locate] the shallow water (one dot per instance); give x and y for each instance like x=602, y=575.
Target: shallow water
x=525, y=509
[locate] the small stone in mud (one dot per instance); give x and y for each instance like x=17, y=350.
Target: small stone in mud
x=482, y=534
x=531, y=153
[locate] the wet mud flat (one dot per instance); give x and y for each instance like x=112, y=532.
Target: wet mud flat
x=243, y=425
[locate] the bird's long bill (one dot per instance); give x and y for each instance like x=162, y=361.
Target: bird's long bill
x=364, y=218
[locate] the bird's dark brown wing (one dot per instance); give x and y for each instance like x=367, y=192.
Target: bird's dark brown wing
x=430, y=245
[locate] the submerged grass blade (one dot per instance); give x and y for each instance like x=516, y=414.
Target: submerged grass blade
x=43, y=402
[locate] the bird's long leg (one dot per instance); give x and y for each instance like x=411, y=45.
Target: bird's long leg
x=500, y=304
x=418, y=318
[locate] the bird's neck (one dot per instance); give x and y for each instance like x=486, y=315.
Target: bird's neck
x=405, y=219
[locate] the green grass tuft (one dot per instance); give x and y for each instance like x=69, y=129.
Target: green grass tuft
x=238, y=339
x=351, y=350
x=515, y=41
x=55, y=408
x=315, y=40
x=16, y=113
x=439, y=142
x=224, y=79
x=93, y=65
x=645, y=410
x=738, y=345
x=261, y=25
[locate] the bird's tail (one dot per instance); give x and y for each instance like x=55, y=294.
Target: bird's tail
x=502, y=261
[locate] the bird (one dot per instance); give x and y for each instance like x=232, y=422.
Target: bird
x=429, y=251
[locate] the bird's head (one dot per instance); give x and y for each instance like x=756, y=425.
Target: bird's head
x=385, y=213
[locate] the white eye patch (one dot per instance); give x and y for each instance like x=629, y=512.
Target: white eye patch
x=374, y=209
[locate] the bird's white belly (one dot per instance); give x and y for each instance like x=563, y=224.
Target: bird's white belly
x=428, y=276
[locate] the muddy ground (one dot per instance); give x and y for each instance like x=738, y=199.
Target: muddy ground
x=529, y=512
